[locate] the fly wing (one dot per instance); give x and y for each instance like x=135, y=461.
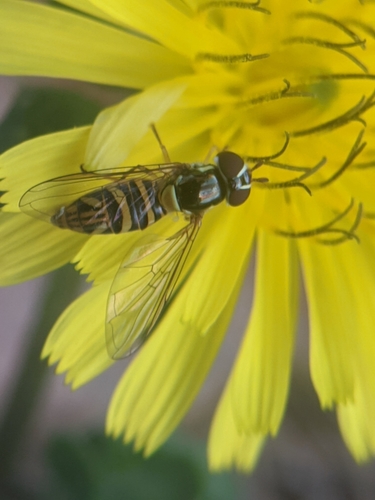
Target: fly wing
x=142, y=287
x=46, y=199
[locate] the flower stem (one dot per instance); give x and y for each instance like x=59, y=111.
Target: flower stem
x=31, y=378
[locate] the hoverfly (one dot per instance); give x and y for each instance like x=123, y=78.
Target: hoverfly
x=131, y=199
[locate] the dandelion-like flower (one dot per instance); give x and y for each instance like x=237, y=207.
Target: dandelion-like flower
x=289, y=86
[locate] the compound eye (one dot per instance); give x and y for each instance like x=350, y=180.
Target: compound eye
x=238, y=197
x=230, y=164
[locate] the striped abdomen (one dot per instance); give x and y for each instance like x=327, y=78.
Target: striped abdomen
x=116, y=208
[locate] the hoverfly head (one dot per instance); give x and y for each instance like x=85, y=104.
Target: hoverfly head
x=237, y=176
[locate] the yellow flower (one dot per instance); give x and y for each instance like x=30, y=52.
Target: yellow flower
x=288, y=83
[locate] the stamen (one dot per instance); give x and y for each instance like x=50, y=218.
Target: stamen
x=263, y=159
x=297, y=182
x=274, y=96
x=228, y=58
x=288, y=184
x=364, y=165
x=286, y=166
x=261, y=180
x=350, y=233
x=234, y=5
x=353, y=153
x=353, y=114
x=338, y=47
x=328, y=228
x=347, y=235
x=345, y=76
x=331, y=20
x=323, y=43
x=365, y=27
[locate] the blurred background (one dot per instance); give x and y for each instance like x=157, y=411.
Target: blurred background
x=52, y=442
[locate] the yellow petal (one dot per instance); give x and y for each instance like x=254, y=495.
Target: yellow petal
x=224, y=244
x=117, y=129
x=221, y=252
x=261, y=374
x=45, y=41
x=161, y=383
x=77, y=340
x=171, y=27
x=205, y=90
x=356, y=417
x=357, y=429
x=333, y=325
x=30, y=248
x=184, y=132
x=38, y=160
x=227, y=446
x=88, y=8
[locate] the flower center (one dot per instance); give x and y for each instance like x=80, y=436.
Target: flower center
x=302, y=80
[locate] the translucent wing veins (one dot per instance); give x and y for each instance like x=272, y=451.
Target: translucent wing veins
x=142, y=287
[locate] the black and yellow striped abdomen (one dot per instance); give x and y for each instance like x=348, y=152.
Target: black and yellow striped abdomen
x=116, y=208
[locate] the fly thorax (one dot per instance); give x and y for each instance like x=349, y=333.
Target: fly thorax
x=199, y=189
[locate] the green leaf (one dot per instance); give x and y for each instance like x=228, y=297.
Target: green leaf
x=97, y=468
x=70, y=462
